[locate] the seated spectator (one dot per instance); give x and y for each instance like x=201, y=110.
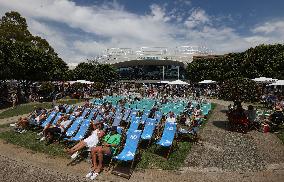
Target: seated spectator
x=90, y=141
x=171, y=118
x=110, y=143
x=62, y=109
x=78, y=112
x=59, y=128
x=251, y=114
x=22, y=123
x=276, y=118
x=37, y=119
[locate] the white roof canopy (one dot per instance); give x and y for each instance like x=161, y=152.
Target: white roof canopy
x=264, y=79
x=207, y=81
x=178, y=82
x=278, y=82
x=81, y=81
x=164, y=81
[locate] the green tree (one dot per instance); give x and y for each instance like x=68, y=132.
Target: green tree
x=239, y=88
x=24, y=56
x=95, y=72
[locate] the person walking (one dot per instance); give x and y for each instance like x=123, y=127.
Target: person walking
x=14, y=99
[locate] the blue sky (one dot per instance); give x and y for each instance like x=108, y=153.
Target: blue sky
x=82, y=29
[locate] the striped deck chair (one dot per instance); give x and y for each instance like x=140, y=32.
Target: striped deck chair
x=126, y=114
x=85, y=112
x=128, y=153
x=158, y=116
x=117, y=120
x=135, y=121
x=68, y=109
x=48, y=119
x=82, y=131
x=149, y=129
x=74, y=127
x=58, y=116
x=92, y=114
x=168, y=136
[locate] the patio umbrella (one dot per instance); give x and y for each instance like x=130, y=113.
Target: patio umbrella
x=264, y=79
x=164, y=81
x=207, y=82
x=278, y=82
x=178, y=82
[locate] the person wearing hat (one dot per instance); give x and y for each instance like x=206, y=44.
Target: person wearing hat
x=276, y=118
x=109, y=146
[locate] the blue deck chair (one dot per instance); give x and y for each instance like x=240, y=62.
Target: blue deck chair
x=117, y=120
x=126, y=114
x=74, y=127
x=58, y=116
x=129, y=151
x=133, y=113
x=98, y=118
x=68, y=109
x=168, y=136
x=85, y=112
x=82, y=131
x=149, y=129
x=92, y=114
x=135, y=121
x=48, y=119
x=158, y=116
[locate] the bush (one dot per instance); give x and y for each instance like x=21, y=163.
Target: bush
x=46, y=89
x=239, y=88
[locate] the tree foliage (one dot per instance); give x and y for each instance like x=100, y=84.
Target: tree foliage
x=240, y=88
x=24, y=56
x=263, y=60
x=95, y=72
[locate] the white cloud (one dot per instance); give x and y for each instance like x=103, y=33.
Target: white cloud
x=270, y=27
x=98, y=27
x=197, y=17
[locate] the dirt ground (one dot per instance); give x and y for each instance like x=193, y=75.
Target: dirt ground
x=221, y=155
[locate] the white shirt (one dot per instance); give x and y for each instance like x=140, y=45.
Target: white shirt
x=64, y=124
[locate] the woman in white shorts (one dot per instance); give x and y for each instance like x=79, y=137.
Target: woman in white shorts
x=90, y=141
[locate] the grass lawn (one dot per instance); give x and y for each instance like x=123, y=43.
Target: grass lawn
x=29, y=141
x=27, y=108
x=69, y=101
x=23, y=109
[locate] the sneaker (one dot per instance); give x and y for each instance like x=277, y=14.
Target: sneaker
x=13, y=125
x=89, y=174
x=23, y=131
x=40, y=133
x=42, y=139
x=75, y=155
x=93, y=177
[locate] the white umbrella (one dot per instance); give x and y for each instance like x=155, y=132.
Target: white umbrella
x=278, y=82
x=178, y=82
x=264, y=79
x=207, y=81
x=164, y=81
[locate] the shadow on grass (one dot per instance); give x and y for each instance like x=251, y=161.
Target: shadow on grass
x=224, y=111
x=29, y=140
x=221, y=124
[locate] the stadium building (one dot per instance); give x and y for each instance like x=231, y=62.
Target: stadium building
x=152, y=63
